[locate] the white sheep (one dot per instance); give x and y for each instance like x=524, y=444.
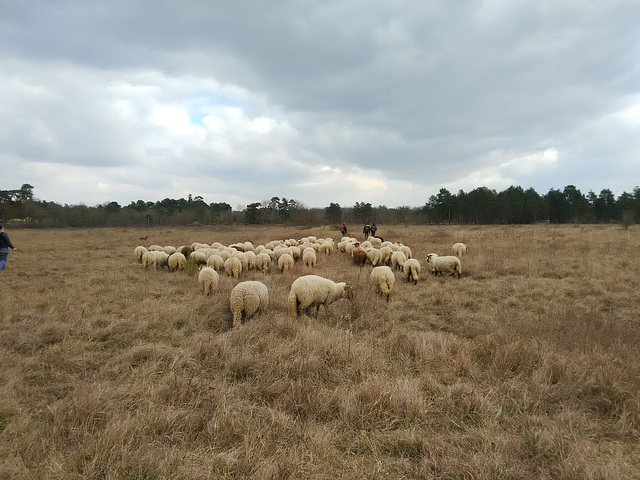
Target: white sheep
x=176, y=261
x=412, y=270
x=215, y=261
x=169, y=249
x=285, y=262
x=459, y=249
x=386, y=253
x=233, y=267
x=147, y=259
x=263, y=261
x=155, y=248
x=158, y=258
x=251, y=259
x=246, y=299
x=199, y=257
x=397, y=259
x=139, y=251
x=374, y=256
x=208, y=279
x=314, y=290
x=309, y=257
x=406, y=250
x=382, y=278
x=296, y=252
x=449, y=264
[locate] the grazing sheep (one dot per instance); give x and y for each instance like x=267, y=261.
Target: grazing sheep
x=176, y=261
x=186, y=251
x=251, y=259
x=246, y=299
x=374, y=256
x=314, y=290
x=139, y=251
x=459, y=249
x=386, y=253
x=449, y=264
x=285, y=262
x=351, y=246
x=263, y=261
x=215, y=261
x=397, y=259
x=208, y=279
x=296, y=253
x=243, y=260
x=412, y=270
x=382, y=278
x=147, y=259
x=309, y=257
x=233, y=267
x=406, y=250
x=199, y=257
x=360, y=256
x=157, y=258
x=169, y=249
x=155, y=248
x=376, y=241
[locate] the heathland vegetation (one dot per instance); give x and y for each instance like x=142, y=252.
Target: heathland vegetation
x=527, y=367
x=479, y=206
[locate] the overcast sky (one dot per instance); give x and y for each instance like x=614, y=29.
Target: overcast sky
x=319, y=101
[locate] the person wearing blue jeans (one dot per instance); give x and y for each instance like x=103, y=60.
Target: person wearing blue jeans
x=5, y=245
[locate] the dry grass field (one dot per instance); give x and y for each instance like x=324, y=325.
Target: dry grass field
x=528, y=367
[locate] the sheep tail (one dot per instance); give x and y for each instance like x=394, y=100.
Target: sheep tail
x=294, y=304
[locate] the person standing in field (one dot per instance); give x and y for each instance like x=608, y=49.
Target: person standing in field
x=343, y=230
x=5, y=245
x=374, y=229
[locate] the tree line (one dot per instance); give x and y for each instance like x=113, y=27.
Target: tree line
x=479, y=206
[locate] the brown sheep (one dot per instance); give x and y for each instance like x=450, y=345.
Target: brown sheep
x=360, y=256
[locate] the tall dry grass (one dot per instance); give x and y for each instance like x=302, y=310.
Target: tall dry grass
x=527, y=367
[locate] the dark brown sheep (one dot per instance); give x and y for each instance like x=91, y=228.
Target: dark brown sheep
x=360, y=256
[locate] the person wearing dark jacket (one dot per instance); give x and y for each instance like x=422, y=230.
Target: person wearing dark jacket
x=5, y=245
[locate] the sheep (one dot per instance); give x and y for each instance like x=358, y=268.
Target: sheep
x=169, y=249
x=374, y=256
x=246, y=299
x=176, y=261
x=449, y=264
x=459, y=249
x=397, y=259
x=326, y=247
x=216, y=262
x=233, y=267
x=157, y=258
x=386, y=253
x=147, y=259
x=412, y=270
x=199, y=257
x=155, y=248
x=243, y=260
x=208, y=279
x=263, y=261
x=139, y=251
x=314, y=290
x=360, y=256
x=309, y=258
x=382, y=278
x=376, y=241
x=251, y=259
x=296, y=253
x=285, y=262
x=185, y=250
x=406, y=250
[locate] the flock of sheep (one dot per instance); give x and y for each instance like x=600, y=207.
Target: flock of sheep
x=249, y=297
